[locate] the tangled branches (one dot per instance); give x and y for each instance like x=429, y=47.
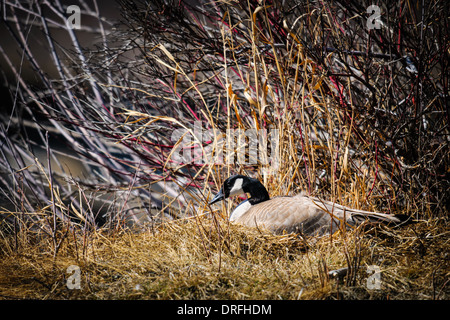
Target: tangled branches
x=360, y=114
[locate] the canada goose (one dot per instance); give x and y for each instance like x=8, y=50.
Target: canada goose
x=300, y=214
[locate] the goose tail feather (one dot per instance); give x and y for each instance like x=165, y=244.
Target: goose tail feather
x=356, y=217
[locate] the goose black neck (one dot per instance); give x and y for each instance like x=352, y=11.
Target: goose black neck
x=258, y=192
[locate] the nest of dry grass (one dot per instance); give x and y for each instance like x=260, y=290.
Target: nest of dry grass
x=357, y=115
x=206, y=258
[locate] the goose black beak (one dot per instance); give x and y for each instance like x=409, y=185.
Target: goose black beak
x=219, y=197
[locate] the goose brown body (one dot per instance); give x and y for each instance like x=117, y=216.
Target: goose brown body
x=306, y=215
x=300, y=214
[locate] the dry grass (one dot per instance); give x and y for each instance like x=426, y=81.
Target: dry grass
x=203, y=258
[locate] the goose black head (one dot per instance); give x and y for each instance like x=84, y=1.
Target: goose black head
x=239, y=184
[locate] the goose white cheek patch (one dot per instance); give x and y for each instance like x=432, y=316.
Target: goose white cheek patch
x=237, y=188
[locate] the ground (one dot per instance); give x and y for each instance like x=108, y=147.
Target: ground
x=204, y=258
